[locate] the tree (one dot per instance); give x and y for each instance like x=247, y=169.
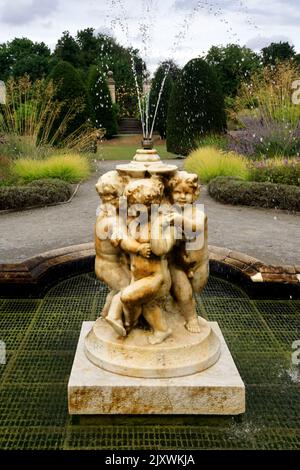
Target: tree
x=72, y=94
x=196, y=107
x=6, y=62
x=278, y=52
x=169, y=71
x=67, y=50
x=102, y=112
x=89, y=47
x=233, y=64
x=22, y=56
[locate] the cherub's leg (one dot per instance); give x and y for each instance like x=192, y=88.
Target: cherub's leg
x=200, y=278
x=183, y=293
x=156, y=319
x=108, y=300
x=141, y=291
x=114, y=317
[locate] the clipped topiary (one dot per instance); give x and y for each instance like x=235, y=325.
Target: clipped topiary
x=102, y=111
x=71, y=92
x=167, y=71
x=37, y=193
x=196, y=107
x=247, y=193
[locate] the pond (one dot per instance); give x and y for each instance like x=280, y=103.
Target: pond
x=41, y=338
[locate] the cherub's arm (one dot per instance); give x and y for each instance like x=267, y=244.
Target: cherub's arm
x=132, y=246
x=193, y=224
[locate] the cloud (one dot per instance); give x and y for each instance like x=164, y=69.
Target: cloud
x=259, y=42
x=21, y=12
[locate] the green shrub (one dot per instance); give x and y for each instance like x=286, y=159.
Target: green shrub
x=71, y=168
x=269, y=195
x=70, y=91
x=216, y=140
x=276, y=171
x=103, y=113
x=210, y=162
x=196, y=107
x=168, y=73
x=38, y=193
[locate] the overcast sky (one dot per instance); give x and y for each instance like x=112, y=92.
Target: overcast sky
x=161, y=29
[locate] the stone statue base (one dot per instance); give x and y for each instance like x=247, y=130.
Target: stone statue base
x=181, y=353
x=217, y=390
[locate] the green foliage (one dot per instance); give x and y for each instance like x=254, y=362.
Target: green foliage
x=89, y=47
x=67, y=50
x=218, y=141
x=196, y=107
x=38, y=193
x=278, y=52
x=102, y=111
x=170, y=71
x=71, y=168
x=277, y=171
x=233, y=64
x=70, y=92
x=209, y=162
x=271, y=122
x=268, y=195
x=22, y=56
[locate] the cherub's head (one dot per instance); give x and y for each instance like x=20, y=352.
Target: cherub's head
x=145, y=191
x=184, y=188
x=110, y=188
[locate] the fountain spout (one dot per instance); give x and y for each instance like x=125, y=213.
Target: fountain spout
x=147, y=144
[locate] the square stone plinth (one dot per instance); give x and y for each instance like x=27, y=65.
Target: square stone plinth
x=218, y=390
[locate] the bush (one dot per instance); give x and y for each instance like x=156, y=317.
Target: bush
x=266, y=110
x=70, y=91
x=168, y=73
x=219, y=141
x=35, y=194
x=102, y=111
x=268, y=195
x=70, y=168
x=277, y=171
x=210, y=162
x=196, y=107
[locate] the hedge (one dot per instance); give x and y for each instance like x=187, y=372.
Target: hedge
x=269, y=195
x=37, y=193
x=196, y=107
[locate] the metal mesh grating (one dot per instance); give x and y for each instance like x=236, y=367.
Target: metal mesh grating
x=41, y=337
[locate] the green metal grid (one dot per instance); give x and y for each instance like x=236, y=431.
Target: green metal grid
x=41, y=337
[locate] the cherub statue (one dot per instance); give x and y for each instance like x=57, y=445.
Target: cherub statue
x=111, y=264
x=151, y=279
x=189, y=265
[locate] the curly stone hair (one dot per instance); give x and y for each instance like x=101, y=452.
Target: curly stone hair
x=110, y=181
x=190, y=179
x=144, y=191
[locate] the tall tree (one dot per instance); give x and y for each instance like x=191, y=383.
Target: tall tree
x=196, y=107
x=233, y=64
x=167, y=72
x=23, y=56
x=278, y=52
x=72, y=93
x=89, y=46
x=102, y=112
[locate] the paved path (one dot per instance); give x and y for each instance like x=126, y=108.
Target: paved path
x=269, y=235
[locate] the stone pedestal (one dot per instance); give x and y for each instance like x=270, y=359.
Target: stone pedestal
x=217, y=390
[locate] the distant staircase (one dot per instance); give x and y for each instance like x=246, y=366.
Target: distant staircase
x=129, y=126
